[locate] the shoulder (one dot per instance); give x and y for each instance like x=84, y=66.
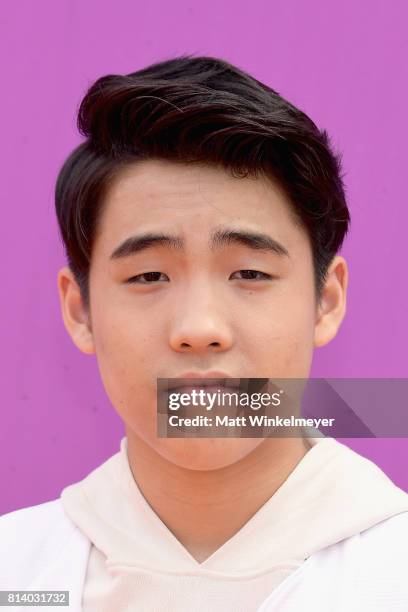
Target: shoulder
x=391, y=527
x=32, y=524
x=380, y=547
x=381, y=574
x=33, y=538
x=362, y=573
x=372, y=566
x=40, y=512
x=385, y=545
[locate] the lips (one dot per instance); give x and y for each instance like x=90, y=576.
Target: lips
x=201, y=379
x=200, y=383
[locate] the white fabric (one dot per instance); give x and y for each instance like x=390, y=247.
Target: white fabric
x=42, y=549
x=135, y=557
x=336, y=508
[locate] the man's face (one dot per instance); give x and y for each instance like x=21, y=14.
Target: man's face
x=201, y=310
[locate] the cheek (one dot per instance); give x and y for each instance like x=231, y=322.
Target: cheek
x=126, y=345
x=124, y=351
x=121, y=335
x=282, y=338
x=130, y=385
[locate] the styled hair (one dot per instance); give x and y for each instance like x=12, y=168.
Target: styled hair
x=199, y=110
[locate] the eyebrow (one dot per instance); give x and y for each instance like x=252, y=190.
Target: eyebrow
x=220, y=238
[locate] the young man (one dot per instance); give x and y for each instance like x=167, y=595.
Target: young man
x=202, y=217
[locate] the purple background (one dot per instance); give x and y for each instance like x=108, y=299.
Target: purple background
x=343, y=63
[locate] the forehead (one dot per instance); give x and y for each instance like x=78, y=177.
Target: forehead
x=191, y=198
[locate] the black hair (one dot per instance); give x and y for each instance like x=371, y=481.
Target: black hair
x=199, y=109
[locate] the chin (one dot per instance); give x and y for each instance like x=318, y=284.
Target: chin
x=205, y=454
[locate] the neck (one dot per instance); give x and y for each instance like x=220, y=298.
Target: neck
x=204, y=509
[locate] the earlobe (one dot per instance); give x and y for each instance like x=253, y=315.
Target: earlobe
x=332, y=309
x=74, y=313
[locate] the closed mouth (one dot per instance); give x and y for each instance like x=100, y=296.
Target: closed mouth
x=204, y=383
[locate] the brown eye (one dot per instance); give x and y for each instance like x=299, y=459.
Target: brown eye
x=149, y=278
x=251, y=275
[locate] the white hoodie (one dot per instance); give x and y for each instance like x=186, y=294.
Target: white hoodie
x=333, y=537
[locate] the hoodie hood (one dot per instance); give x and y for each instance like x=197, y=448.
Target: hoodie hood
x=333, y=493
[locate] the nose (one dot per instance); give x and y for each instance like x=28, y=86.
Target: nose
x=200, y=323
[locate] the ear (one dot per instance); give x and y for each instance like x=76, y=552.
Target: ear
x=74, y=313
x=332, y=307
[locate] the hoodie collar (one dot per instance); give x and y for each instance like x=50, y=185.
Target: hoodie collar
x=332, y=494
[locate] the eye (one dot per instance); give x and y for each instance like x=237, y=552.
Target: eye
x=149, y=277
x=250, y=275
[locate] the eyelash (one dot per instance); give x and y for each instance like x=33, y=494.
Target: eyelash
x=133, y=280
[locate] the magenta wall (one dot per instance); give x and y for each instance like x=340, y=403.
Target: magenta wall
x=344, y=63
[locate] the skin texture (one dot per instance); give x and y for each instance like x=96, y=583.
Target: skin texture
x=200, y=313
